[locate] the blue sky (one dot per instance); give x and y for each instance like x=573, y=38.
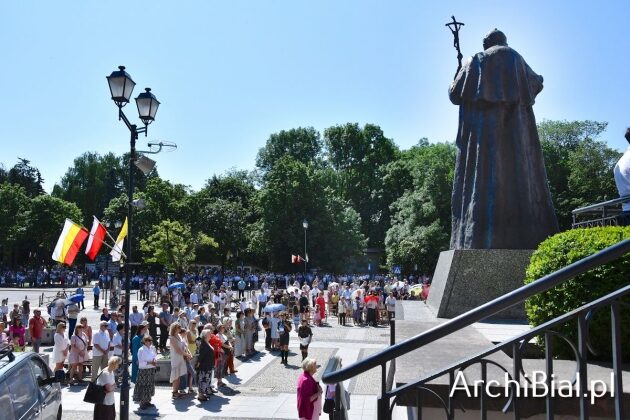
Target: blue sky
x=230, y=73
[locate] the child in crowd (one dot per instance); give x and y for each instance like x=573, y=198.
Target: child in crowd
x=317, y=318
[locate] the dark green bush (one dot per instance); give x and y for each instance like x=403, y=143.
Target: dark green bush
x=562, y=250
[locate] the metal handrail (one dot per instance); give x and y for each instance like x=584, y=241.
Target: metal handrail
x=598, y=206
x=475, y=315
x=523, y=337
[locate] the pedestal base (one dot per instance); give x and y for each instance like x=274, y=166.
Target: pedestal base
x=467, y=278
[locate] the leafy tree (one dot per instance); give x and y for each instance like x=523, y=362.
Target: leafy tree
x=91, y=183
x=579, y=167
x=3, y=174
x=421, y=217
x=343, y=242
x=27, y=176
x=302, y=144
x=226, y=222
x=293, y=192
x=360, y=156
x=163, y=201
x=173, y=245
x=14, y=204
x=46, y=217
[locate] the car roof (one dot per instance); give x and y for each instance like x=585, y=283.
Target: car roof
x=6, y=364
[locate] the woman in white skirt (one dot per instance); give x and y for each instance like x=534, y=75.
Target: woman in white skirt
x=60, y=351
x=178, y=362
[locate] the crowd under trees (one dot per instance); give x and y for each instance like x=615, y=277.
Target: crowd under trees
x=355, y=187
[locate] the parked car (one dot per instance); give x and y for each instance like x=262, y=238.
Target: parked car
x=28, y=390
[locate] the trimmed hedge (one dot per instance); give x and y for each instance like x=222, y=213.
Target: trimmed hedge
x=566, y=248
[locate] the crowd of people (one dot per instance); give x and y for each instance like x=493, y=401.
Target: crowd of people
x=200, y=327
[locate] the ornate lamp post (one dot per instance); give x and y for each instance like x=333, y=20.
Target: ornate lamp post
x=305, y=226
x=121, y=86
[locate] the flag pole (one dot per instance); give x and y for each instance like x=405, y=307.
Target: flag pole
x=108, y=245
x=104, y=243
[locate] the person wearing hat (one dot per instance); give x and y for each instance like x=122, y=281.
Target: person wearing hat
x=100, y=349
x=136, y=343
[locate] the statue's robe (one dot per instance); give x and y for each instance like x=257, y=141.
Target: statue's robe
x=501, y=199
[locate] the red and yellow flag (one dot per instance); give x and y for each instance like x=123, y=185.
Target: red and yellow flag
x=71, y=238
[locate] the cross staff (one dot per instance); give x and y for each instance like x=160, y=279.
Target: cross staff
x=454, y=26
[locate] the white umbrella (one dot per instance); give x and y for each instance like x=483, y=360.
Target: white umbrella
x=291, y=289
x=333, y=284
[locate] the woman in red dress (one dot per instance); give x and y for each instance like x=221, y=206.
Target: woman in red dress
x=322, y=305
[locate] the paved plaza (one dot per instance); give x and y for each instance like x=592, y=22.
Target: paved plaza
x=262, y=388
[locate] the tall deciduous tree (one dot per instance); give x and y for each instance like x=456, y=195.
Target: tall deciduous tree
x=421, y=217
x=46, y=217
x=173, y=245
x=163, y=201
x=360, y=156
x=579, y=167
x=293, y=192
x=14, y=205
x=302, y=144
x=226, y=222
x=92, y=182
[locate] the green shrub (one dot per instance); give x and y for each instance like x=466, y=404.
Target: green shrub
x=566, y=248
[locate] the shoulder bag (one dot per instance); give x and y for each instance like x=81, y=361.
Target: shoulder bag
x=95, y=394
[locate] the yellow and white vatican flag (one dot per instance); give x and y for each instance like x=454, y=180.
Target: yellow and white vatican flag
x=117, y=250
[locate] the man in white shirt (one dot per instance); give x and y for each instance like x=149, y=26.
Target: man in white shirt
x=194, y=298
x=622, y=180
x=222, y=301
x=100, y=350
x=191, y=311
x=117, y=341
x=216, y=301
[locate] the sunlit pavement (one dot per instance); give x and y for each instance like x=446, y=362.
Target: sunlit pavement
x=262, y=388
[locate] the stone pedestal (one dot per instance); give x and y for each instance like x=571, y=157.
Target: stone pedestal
x=467, y=278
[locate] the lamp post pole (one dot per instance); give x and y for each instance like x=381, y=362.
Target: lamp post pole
x=305, y=226
x=105, y=285
x=124, y=389
x=121, y=87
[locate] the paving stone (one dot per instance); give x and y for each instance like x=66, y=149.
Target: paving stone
x=281, y=378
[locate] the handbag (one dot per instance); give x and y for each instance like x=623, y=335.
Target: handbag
x=94, y=394
x=329, y=406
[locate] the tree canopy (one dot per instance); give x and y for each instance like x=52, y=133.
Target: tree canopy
x=357, y=190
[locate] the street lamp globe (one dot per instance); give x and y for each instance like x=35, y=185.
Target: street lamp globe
x=147, y=106
x=121, y=86
x=305, y=224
